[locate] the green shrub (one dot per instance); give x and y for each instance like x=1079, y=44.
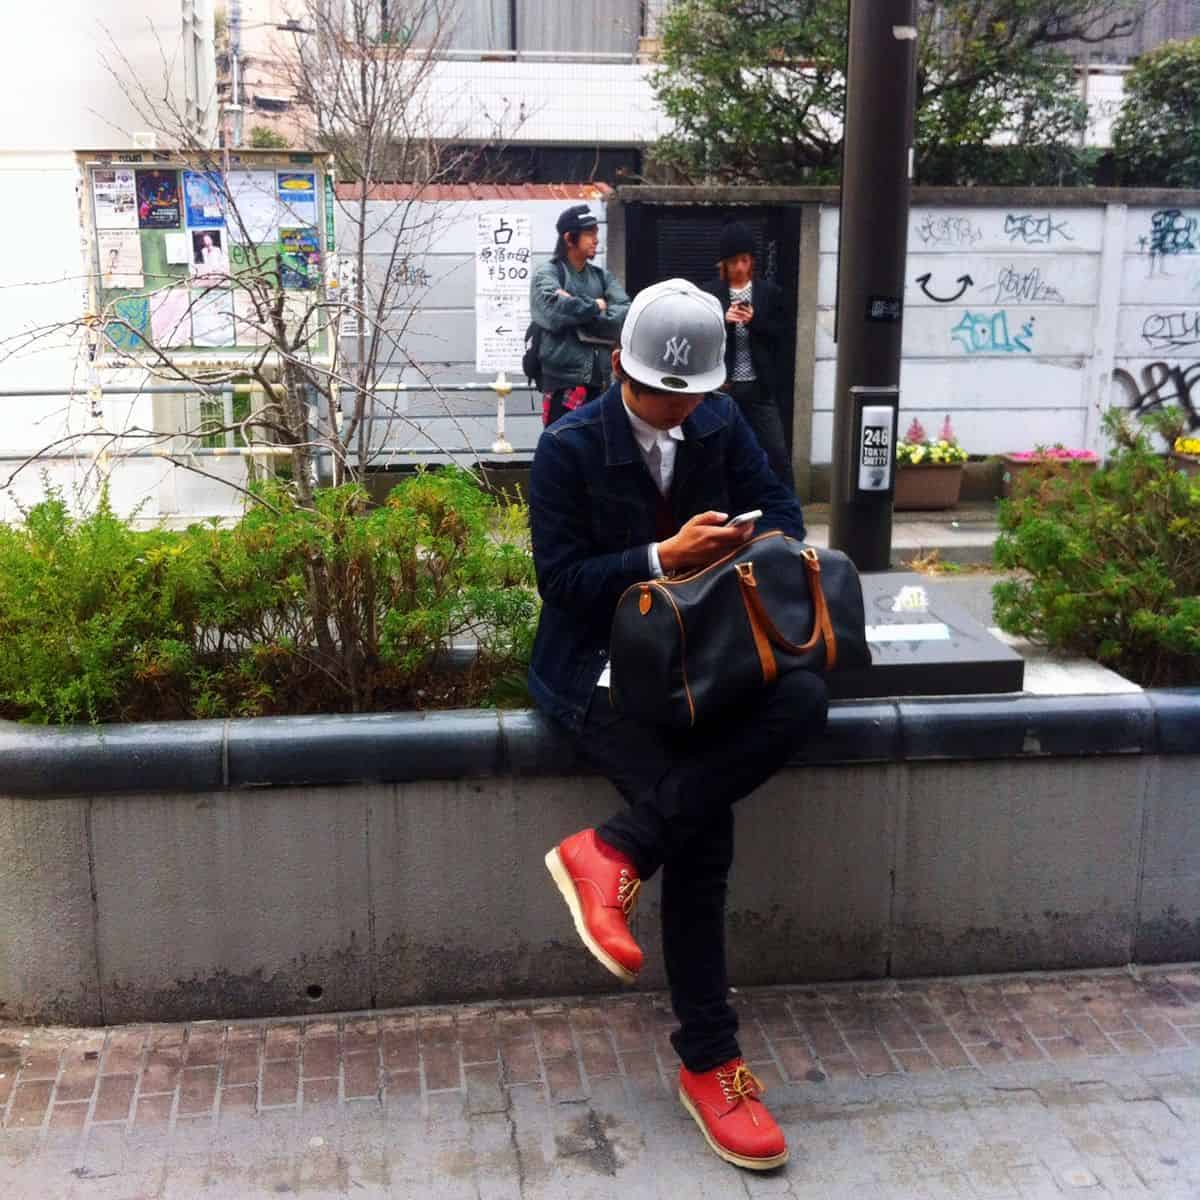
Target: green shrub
x=1156, y=136
x=336, y=608
x=1113, y=565
x=84, y=604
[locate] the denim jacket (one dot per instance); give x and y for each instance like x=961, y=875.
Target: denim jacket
x=592, y=509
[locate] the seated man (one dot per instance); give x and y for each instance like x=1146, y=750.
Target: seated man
x=636, y=484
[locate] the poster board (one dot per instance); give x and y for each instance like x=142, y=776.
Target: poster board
x=503, y=245
x=170, y=241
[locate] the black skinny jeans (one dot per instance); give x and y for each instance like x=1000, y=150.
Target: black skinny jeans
x=680, y=788
x=765, y=419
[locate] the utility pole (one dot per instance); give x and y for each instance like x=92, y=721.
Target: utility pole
x=234, y=108
x=876, y=181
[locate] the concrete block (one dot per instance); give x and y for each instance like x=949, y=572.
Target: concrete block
x=48, y=970
x=377, y=747
x=1011, y=727
x=232, y=904
x=87, y=760
x=1011, y=866
x=463, y=905
x=810, y=890
x=1169, y=911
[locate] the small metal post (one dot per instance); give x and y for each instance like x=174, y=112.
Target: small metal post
x=501, y=387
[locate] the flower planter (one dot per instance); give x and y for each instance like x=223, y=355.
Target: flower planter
x=1021, y=476
x=928, y=487
x=1189, y=464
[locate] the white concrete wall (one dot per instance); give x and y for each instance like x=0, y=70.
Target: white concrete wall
x=1157, y=348
x=1016, y=319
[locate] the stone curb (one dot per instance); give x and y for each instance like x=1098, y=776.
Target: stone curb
x=201, y=756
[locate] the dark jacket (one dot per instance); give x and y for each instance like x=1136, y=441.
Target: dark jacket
x=768, y=331
x=592, y=516
x=566, y=361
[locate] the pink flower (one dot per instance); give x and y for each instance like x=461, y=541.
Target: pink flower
x=916, y=433
x=1054, y=454
x=947, y=433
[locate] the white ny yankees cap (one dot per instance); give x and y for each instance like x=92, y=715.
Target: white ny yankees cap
x=673, y=338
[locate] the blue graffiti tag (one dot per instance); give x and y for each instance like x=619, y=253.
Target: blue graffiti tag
x=987, y=333
x=1170, y=233
x=127, y=331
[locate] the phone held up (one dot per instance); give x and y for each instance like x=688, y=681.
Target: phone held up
x=746, y=518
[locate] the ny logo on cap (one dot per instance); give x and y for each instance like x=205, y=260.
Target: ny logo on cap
x=677, y=351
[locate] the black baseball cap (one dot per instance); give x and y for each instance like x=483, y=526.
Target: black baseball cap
x=576, y=219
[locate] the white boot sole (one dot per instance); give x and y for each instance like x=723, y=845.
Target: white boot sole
x=738, y=1160
x=558, y=871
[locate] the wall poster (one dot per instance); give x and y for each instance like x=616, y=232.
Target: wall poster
x=158, y=199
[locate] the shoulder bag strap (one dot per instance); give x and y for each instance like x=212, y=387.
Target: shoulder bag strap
x=822, y=625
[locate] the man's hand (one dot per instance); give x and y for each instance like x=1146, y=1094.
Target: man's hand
x=703, y=540
x=739, y=314
x=602, y=304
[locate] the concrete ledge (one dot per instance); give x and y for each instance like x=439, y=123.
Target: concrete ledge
x=1015, y=197
x=1177, y=712
x=297, y=865
x=203, y=756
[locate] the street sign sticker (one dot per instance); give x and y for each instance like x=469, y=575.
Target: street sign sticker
x=875, y=449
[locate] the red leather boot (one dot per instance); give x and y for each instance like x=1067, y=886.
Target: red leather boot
x=600, y=886
x=726, y=1104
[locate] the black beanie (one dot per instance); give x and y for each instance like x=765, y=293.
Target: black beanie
x=736, y=239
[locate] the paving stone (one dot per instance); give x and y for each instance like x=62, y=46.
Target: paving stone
x=1084, y=1084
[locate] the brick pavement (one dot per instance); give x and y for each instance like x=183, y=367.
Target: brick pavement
x=1018, y=1086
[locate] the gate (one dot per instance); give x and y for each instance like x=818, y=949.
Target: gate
x=669, y=241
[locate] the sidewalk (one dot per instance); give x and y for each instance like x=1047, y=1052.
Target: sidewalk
x=965, y=534
x=1081, y=1084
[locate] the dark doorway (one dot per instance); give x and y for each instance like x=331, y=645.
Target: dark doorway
x=670, y=241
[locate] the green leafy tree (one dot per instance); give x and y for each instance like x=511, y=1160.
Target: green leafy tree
x=756, y=88
x=263, y=138
x=1156, y=137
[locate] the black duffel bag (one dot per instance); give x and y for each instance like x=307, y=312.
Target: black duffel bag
x=685, y=648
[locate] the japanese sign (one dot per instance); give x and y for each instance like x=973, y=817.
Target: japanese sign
x=502, y=273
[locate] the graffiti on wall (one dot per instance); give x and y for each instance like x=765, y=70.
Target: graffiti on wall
x=964, y=282
x=1161, y=384
x=1031, y=230
x=988, y=333
x=1171, y=233
x=1014, y=286
x=1172, y=330
x=941, y=231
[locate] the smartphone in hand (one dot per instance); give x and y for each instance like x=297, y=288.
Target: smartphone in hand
x=746, y=518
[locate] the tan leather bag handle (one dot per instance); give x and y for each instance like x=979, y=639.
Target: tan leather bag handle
x=760, y=618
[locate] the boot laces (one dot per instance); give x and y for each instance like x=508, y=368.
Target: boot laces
x=627, y=891
x=739, y=1083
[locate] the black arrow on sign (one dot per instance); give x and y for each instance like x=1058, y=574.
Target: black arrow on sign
x=965, y=280
x=501, y=329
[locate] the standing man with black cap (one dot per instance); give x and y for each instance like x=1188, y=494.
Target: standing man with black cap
x=756, y=319
x=578, y=308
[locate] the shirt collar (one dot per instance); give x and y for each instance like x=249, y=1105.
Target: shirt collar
x=645, y=434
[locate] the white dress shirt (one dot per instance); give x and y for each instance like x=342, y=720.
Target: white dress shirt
x=658, y=447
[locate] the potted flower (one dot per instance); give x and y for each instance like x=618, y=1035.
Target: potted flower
x=928, y=472
x=1186, y=455
x=1026, y=470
